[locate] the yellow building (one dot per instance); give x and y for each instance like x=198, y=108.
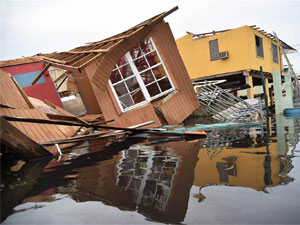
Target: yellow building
x=235, y=55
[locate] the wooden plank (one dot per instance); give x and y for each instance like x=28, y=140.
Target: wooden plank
x=61, y=117
x=59, y=122
x=54, y=60
x=101, y=134
x=61, y=76
x=64, y=112
x=77, y=138
x=21, y=143
x=91, y=117
x=62, y=66
x=88, y=51
x=40, y=74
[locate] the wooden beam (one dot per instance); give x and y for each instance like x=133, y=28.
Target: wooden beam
x=61, y=76
x=80, y=138
x=88, y=51
x=61, y=117
x=21, y=143
x=41, y=74
x=64, y=112
x=63, y=66
x=54, y=60
x=59, y=122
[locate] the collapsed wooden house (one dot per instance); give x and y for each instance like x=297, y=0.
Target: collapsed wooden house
x=133, y=77
x=31, y=128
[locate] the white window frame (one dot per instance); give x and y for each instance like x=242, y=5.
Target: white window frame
x=139, y=79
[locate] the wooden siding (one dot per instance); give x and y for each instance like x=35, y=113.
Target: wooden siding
x=184, y=102
x=37, y=132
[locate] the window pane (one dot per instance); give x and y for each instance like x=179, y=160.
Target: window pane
x=126, y=101
x=121, y=89
x=126, y=71
x=137, y=96
x=147, y=77
x=141, y=64
x=115, y=76
x=135, y=52
x=132, y=84
x=153, y=89
x=152, y=59
x=146, y=46
x=164, y=84
x=122, y=61
x=159, y=72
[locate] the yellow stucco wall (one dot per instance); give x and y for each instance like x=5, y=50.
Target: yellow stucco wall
x=239, y=42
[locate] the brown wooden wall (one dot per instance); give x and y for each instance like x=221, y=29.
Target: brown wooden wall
x=185, y=101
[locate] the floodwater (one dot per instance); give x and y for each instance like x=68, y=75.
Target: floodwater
x=236, y=176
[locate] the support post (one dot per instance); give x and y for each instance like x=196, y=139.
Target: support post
x=249, y=81
x=264, y=88
x=87, y=93
x=282, y=102
x=267, y=90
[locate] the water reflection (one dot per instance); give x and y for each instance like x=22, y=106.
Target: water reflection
x=155, y=179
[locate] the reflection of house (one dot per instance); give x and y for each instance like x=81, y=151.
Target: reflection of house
x=243, y=167
x=24, y=71
x=235, y=55
x=155, y=181
x=133, y=77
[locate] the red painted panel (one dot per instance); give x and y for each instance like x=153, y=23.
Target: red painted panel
x=44, y=91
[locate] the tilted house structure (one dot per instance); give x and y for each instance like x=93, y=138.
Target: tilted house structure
x=234, y=54
x=133, y=77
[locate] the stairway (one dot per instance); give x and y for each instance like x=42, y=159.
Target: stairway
x=223, y=105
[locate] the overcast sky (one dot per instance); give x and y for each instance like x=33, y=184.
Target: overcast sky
x=28, y=27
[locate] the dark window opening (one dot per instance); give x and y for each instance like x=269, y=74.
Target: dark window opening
x=275, y=53
x=214, y=50
x=259, y=46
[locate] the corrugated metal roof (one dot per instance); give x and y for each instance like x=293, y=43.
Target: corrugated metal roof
x=254, y=27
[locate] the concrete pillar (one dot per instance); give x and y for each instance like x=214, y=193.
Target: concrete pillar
x=282, y=103
x=289, y=87
x=250, y=92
